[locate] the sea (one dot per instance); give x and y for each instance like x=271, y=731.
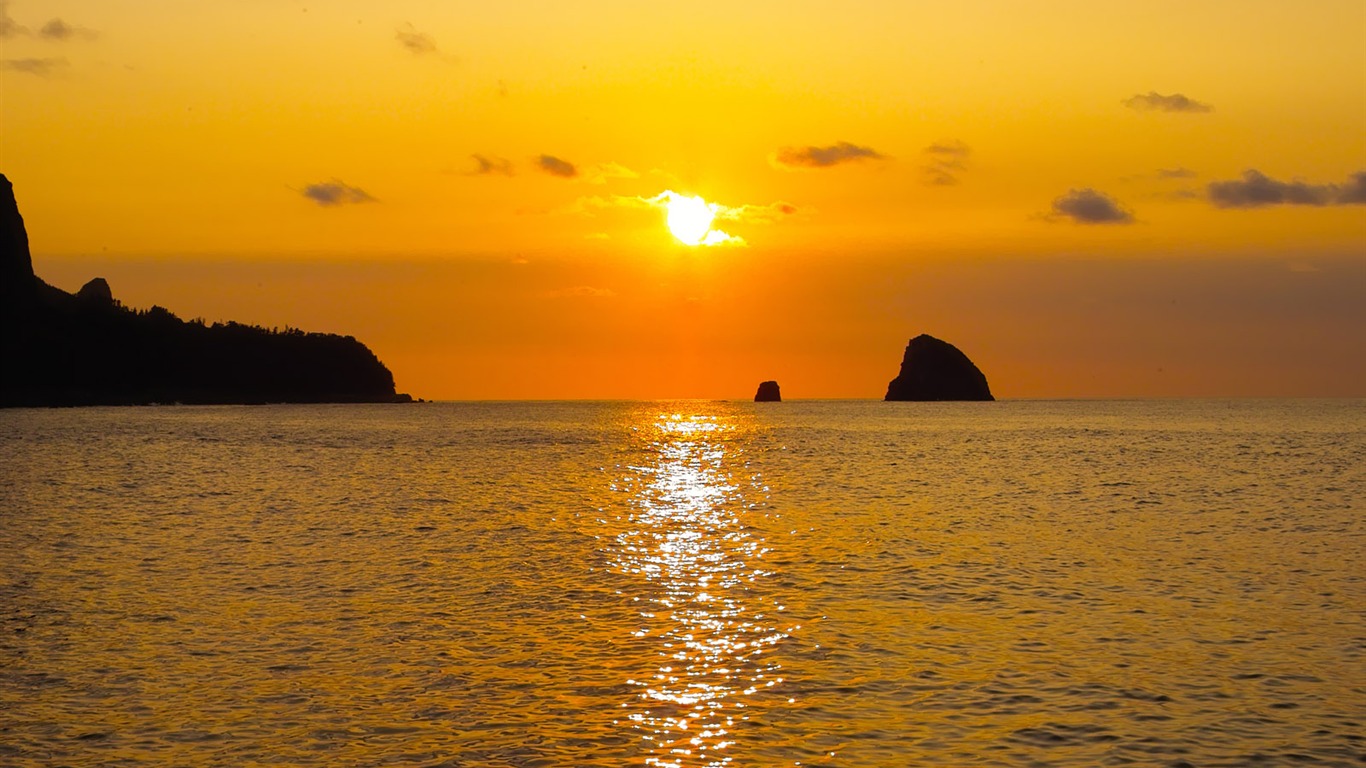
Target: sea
x=1177, y=583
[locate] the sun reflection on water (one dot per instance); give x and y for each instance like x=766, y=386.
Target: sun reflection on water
x=704, y=602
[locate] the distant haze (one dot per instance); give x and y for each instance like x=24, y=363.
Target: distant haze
x=492, y=329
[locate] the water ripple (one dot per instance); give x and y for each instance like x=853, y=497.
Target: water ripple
x=685, y=584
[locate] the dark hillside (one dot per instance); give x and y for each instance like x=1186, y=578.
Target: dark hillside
x=87, y=349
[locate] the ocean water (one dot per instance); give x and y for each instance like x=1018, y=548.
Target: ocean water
x=860, y=584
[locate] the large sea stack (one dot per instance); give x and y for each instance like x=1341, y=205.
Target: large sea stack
x=59, y=349
x=768, y=393
x=937, y=370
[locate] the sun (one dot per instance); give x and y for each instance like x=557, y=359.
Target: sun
x=689, y=219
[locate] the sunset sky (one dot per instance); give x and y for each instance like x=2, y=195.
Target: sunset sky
x=1131, y=198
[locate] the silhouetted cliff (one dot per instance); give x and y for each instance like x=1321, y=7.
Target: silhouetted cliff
x=768, y=393
x=936, y=370
x=87, y=349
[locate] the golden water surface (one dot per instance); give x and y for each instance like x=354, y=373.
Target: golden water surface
x=685, y=584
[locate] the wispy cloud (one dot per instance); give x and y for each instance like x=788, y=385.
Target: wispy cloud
x=717, y=237
x=1176, y=173
x=1087, y=206
x=1257, y=190
x=336, y=192
x=59, y=30
x=1152, y=101
x=823, y=157
x=8, y=26
x=758, y=214
x=604, y=172
x=44, y=67
x=55, y=30
x=489, y=165
x=593, y=203
x=417, y=43
x=748, y=213
x=946, y=160
x=556, y=167
x=1354, y=191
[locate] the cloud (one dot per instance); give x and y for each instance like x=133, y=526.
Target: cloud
x=1087, y=206
x=749, y=213
x=491, y=166
x=758, y=214
x=1152, y=101
x=336, y=192
x=1176, y=173
x=56, y=29
x=1354, y=191
x=947, y=159
x=1256, y=190
x=8, y=26
x=417, y=43
x=603, y=172
x=953, y=148
x=590, y=205
x=823, y=157
x=557, y=167
x=38, y=67
x=717, y=237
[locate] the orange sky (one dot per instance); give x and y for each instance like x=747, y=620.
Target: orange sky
x=1090, y=199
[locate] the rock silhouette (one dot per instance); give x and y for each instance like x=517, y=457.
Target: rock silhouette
x=936, y=370
x=60, y=349
x=17, y=283
x=96, y=292
x=768, y=393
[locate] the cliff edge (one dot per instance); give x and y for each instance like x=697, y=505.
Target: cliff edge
x=59, y=349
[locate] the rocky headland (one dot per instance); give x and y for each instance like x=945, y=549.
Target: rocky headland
x=62, y=349
x=933, y=369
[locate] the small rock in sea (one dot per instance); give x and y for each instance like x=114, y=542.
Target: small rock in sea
x=768, y=393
